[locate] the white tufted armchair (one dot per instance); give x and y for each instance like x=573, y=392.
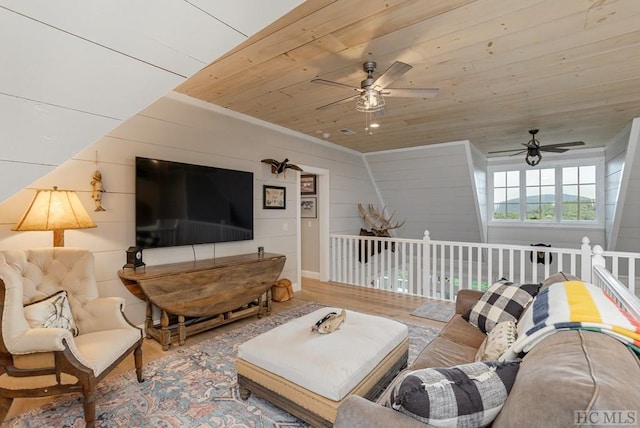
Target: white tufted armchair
x=37, y=361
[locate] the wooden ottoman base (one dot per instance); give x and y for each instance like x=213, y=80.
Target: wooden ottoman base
x=313, y=408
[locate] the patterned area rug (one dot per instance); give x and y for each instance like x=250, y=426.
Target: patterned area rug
x=436, y=310
x=195, y=387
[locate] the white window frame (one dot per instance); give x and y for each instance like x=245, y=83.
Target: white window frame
x=557, y=165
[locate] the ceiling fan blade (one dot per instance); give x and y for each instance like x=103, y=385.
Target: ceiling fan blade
x=571, y=144
x=326, y=106
x=519, y=153
x=397, y=70
x=510, y=150
x=410, y=92
x=337, y=84
x=552, y=149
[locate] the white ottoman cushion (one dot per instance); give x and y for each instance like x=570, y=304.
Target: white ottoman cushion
x=332, y=364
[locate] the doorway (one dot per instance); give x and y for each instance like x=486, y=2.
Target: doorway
x=322, y=199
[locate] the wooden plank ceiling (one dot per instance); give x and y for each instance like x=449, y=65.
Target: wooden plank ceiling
x=570, y=68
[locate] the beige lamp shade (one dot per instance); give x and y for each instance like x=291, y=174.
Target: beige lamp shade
x=55, y=210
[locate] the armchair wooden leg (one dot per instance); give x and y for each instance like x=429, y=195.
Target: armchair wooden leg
x=89, y=407
x=5, y=405
x=137, y=356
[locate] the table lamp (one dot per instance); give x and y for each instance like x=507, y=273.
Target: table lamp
x=55, y=210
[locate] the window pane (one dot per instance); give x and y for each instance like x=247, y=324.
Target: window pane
x=570, y=175
x=499, y=195
x=588, y=192
x=547, y=176
x=588, y=174
x=499, y=179
x=533, y=211
x=532, y=177
x=569, y=211
x=548, y=193
x=548, y=211
x=513, y=211
x=569, y=193
x=513, y=195
x=587, y=212
x=513, y=178
x=533, y=194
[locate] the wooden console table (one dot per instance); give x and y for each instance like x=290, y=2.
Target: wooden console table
x=199, y=295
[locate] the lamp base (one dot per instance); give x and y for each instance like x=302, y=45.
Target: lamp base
x=58, y=237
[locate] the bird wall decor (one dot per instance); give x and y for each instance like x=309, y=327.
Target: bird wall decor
x=278, y=168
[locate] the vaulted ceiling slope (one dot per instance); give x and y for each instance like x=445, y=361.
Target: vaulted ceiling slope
x=72, y=72
x=568, y=68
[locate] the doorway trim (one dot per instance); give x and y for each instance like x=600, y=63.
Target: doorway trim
x=323, y=222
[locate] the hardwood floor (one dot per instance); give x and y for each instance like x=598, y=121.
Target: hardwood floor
x=377, y=302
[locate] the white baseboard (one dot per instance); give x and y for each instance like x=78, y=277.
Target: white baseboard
x=312, y=275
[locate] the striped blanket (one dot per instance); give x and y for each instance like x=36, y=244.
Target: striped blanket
x=573, y=305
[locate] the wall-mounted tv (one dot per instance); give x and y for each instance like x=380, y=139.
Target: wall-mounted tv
x=184, y=204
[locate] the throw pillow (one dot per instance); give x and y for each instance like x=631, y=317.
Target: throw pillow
x=469, y=395
x=503, y=301
x=53, y=311
x=497, y=341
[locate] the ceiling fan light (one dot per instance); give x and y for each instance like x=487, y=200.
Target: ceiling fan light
x=534, y=156
x=370, y=101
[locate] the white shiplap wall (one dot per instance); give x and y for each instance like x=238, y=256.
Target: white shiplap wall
x=183, y=129
x=431, y=188
x=72, y=71
x=615, y=153
x=627, y=219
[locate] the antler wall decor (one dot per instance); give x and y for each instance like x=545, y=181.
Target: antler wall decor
x=377, y=220
x=380, y=226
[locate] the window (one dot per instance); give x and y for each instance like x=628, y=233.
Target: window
x=558, y=194
x=506, y=194
x=579, y=193
x=541, y=194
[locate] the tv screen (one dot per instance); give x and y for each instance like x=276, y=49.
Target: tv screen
x=183, y=204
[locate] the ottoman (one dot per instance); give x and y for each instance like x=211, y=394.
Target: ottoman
x=309, y=375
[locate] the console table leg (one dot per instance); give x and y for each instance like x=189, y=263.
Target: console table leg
x=260, y=307
x=148, y=322
x=182, y=332
x=165, y=333
x=269, y=299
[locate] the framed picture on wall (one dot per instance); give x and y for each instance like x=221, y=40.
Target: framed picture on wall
x=309, y=207
x=307, y=184
x=274, y=197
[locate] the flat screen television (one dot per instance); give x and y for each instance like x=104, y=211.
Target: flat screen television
x=184, y=204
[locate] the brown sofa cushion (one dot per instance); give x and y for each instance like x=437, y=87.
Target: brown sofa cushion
x=460, y=331
x=442, y=352
x=572, y=370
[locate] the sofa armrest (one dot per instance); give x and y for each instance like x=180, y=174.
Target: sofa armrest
x=465, y=299
x=358, y=412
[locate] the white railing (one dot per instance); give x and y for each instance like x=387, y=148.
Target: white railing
x=604, y=279
x=437, y=269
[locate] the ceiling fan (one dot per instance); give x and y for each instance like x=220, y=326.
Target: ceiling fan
x=370, y=95
x=533, y=148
